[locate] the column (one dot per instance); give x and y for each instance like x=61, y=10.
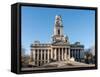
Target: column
x=55, y=54
x=58, y=54
x=33, y=55
x=48, y=55
x=65, y=57
x=52, y=53
x=79, y=54
x=44, y=56
x=69, y=52
x=37, y=56
x=62, y=53
x=75, y=54
x=41, y=56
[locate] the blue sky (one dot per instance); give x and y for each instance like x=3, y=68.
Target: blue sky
x=38, y=24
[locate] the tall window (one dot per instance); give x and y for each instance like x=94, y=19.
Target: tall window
x=58, y=32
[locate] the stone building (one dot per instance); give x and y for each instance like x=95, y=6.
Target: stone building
x=59, y=49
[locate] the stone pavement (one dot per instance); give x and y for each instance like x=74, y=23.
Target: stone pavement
x=60, y=64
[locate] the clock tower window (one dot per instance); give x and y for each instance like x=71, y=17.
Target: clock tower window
x=58, y=32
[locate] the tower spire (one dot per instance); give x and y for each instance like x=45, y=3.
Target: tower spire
x=58, y=20
x=58, y=27
x=58, y=35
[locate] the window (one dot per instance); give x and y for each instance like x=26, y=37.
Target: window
x=58, y=32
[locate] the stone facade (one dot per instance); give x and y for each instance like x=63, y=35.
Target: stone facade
x=59, y=50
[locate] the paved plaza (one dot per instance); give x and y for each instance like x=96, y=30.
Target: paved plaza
x=60, y=64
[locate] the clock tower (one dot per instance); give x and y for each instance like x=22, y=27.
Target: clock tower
x=58, y=35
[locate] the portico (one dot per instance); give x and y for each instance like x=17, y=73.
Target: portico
x=60, y=53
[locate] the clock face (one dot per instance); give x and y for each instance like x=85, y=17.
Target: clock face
x=58, y=23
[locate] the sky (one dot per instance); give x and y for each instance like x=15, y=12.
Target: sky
x=38, y=24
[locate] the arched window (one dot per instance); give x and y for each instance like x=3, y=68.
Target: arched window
x=58, y=32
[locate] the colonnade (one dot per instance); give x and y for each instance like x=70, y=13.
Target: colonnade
x=42, y=56
x=60, y=54
x=76, y=53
